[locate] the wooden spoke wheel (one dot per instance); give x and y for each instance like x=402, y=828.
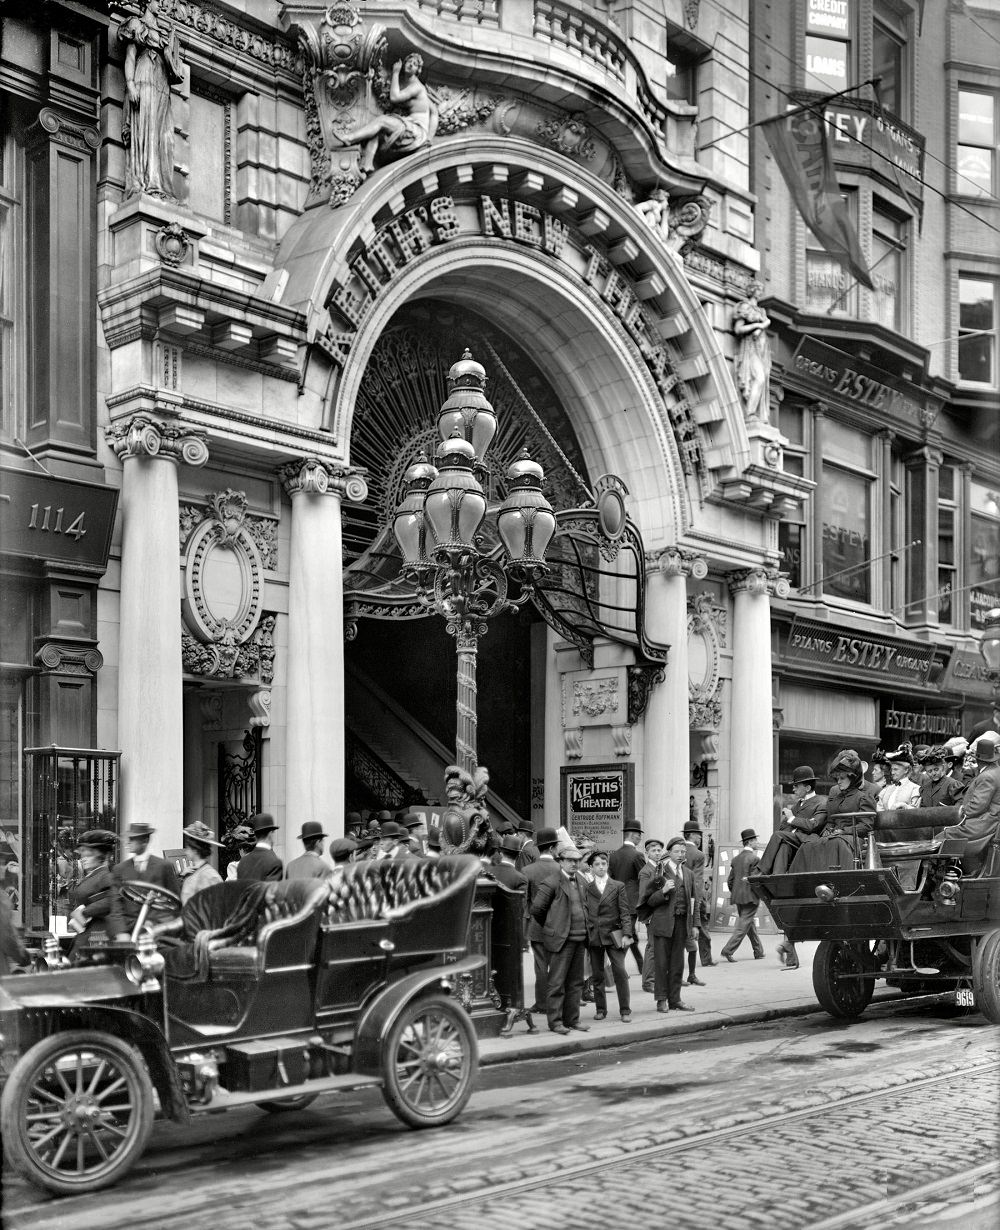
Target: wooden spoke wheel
x=837, y=978
x=986, y=977
x=77, y=1111
x=429, y=1062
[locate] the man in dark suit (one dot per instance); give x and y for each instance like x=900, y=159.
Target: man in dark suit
x=744, y=898
x=667, y=895
x=608, y=912
x=147, y=867
x=505, y=871
x=529, y=851
x=805, y=816
x=536, y=874
x=624, y=865
x=261, y=863
x=559, y=909
x=309, y=865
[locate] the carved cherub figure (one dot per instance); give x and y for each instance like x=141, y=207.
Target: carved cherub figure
x=407, y=129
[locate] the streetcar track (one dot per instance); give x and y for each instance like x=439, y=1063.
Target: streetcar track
x=882, y=1208
x=581, y=1170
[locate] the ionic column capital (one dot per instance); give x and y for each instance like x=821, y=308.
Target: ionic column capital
x=758, y=582
x=144, y=436
x=310, y=476
x=676, y=562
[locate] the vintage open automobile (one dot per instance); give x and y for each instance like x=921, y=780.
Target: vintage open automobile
x=266, y=994
x=919, y=913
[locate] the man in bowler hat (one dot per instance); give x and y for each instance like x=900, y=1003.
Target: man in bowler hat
x=744, y=898
x=667, y=895
x=805, y=816
x=559, y=908
x=697, y=861
x=141, y=865
x=505, y=871
x=624, y=865
x=309, y=866
x=261, y=863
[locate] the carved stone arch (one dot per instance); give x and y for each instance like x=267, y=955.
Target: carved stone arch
x=317, y=251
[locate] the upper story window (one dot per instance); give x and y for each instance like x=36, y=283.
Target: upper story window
x=947, y=553
x=792, y=420
x=977, y=143
x=846, y=491
x=829, y=51
x=889, y=60
x=830, y=288
x=977, y=330
x=888, y=267
x=12, y=284
x=984, y=554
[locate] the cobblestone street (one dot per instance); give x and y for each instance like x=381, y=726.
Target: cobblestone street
x=806, y=1122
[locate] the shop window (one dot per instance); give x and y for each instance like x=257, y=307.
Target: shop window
x=831, y=290
x=13, y=245
x=984, y=554
x=977, y=330
x=888, y=268
x=894, y=560
x=845, y=503
x=947, y=555
x=976, y=156
x=829, y=50
x=210, y=137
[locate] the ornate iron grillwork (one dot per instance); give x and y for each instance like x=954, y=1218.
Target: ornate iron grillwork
x=239, y=784
x=383, y=787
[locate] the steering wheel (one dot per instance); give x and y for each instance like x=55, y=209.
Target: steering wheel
x=154, y=895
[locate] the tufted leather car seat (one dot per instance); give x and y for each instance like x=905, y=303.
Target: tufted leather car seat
x=286, y=932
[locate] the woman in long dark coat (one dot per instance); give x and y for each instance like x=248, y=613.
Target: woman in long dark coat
x=835, y=850
x=94, y=905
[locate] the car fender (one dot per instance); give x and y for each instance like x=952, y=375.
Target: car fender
x=378, y=1016
x=144, y=1034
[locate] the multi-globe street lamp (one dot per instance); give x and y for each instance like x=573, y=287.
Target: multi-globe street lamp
x=439, y=526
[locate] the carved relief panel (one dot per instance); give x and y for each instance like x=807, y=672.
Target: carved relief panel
x=706, y=638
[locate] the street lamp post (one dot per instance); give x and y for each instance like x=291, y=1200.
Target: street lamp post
x=438, y=524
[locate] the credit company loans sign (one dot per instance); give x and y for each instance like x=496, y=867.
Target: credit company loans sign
x=445, y=218
x=847, y=652
x=834, y=374
x=596, y=800
x=44, y=517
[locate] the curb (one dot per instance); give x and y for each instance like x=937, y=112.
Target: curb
x=651, y=1033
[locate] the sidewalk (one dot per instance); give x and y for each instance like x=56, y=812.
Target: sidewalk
x=733, y=995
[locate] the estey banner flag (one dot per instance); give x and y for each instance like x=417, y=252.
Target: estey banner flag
x=799, y=144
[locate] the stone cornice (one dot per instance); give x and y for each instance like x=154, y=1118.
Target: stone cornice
x=144, y=436
x=314, y=477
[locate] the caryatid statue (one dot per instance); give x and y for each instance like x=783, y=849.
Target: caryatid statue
x=152, y=63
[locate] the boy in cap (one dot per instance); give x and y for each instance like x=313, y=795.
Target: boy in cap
x=667, y=892
x=310, y=865
x=696, y=861
x=744, y=898
x=261, y=863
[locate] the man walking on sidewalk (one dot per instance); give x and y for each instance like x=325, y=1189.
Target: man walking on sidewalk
x=744, y=898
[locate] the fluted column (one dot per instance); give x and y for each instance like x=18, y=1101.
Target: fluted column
x=750, y=713
x=666, y=742
x=150, y=698
x=314, y=783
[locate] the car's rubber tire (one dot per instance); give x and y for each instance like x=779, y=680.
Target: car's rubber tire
x=283, y=1106
x=839, y=994
x=38, y=1088
x=986, y=977
x=432, y=1043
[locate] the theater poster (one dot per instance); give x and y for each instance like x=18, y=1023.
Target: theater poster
x=596, y=800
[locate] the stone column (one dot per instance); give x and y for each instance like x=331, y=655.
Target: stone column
x=666, y=768
x=314, y=733
x=150, y=698
x=750, y=714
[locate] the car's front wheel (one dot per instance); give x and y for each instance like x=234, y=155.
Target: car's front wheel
x=429, y=1062
x=77, y=1111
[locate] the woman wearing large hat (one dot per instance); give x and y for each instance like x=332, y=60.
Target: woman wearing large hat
x=836, y=848
x=198, y=850
x=95, y=909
